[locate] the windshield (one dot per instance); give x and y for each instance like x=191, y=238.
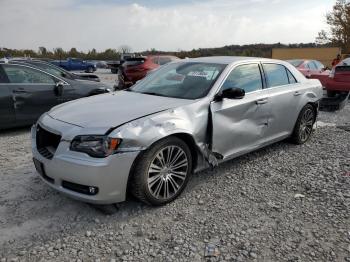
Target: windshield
x=295, y=62
x=186, y=80
x=56, y=71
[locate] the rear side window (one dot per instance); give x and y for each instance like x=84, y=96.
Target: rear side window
x=319, y=65
x=276, y=75
x=26, y=75
x=312, y=66
x=247, y=77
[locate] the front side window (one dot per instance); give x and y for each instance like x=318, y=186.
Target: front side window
x=247, y=77
x=187, y=80
x=26, y=75
x=276, y=75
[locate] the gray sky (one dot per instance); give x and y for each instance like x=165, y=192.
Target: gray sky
x=165, y=25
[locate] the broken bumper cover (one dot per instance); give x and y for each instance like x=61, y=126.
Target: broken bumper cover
x=92, y=180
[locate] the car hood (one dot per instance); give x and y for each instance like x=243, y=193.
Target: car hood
x=113, y=109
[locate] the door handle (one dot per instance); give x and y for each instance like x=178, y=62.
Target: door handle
x=19, y=91
x=261, y=101
x=297, y=93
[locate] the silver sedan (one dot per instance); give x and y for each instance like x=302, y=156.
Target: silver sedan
x=187, y=116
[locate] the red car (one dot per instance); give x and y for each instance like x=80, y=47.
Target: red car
x=336, y=82
x=134, y=69
x=308, y=67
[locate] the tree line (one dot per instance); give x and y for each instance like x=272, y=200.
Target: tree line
x=253, y=50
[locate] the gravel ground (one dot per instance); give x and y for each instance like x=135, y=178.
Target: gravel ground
x=281, y=203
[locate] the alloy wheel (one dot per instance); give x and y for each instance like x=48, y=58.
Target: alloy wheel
x=167, y=172
x=306, y=123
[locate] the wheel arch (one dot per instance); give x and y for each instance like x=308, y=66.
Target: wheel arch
x=185, y=137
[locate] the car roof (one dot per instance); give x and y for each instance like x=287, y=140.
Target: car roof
x=227, y=59
x=19, y=62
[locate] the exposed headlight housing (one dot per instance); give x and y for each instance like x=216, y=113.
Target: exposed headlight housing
x=98, y=146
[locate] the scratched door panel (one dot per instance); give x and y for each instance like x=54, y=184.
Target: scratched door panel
x=239, y=125
x=32, y=100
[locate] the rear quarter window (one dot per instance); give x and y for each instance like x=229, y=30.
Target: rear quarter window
x=291, y=78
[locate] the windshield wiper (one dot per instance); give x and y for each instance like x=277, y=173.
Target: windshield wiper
x=152, y=93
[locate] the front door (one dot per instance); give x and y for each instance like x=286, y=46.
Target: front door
x=240, y=124
x=33, y=92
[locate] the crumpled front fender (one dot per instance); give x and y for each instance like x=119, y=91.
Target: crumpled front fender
x=192, y=120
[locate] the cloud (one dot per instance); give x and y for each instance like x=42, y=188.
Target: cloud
x=145, y=25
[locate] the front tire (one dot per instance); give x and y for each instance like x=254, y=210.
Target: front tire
x=304, y=125
x=90, y=69
x=162, y=172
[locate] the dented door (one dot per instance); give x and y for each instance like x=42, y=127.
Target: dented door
x=32, y=92
x=239, y=125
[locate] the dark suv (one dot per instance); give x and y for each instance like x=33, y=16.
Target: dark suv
x=134, y=69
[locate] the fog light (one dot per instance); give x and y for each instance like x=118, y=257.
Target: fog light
x=92, y=190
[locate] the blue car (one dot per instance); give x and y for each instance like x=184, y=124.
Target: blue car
x=74, y=64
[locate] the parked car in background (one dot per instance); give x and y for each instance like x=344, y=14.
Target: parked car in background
x=72, y=64
x=115, y=65
x=184, y=117
x=27, y=91
x=336, y=82
x=99, y=63
x=308, y=67
x=134, y=69
x=56, y=70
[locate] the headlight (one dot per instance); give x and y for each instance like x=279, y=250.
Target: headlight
x=95, y=145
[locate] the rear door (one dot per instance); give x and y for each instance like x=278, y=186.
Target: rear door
x=7, y=111
x=284, y=95
x=33, y=91
x=239, y=125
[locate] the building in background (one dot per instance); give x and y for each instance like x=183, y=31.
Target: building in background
x=323, y=54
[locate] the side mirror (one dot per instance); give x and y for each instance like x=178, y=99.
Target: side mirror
x=58, y=88
x=231, y=93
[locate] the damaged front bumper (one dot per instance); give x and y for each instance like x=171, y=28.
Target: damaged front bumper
x=92, y=180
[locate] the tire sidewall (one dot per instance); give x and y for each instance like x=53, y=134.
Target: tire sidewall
x=146, y=160
x=296, y=133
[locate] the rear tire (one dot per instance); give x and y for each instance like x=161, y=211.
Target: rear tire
x=304, y=125
x=89, y=70
x=162, y=172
